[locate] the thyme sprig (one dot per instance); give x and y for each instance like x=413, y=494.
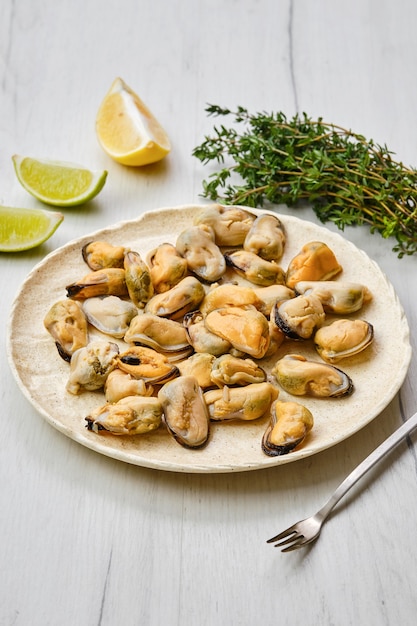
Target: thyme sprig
x=347, y=179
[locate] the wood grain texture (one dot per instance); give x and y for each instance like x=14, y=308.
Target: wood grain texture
x=88, y=540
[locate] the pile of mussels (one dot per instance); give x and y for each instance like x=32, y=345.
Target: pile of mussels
x=195, y=336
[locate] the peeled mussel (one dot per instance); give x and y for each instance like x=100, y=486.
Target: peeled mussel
x=138, y=279
x=146, y=364
x=204, y=258
x=255, y=269
x=90, y=366
x=290, y=423
x=176, y=302
x=240, y=403
x=132, y=415
x=109, y=314
x=120, y=384
x=198, y=365
x=229, y=294
x=268, y=296
x=201, y=338
x=343, y=338
x=336, y=296
x=299, y=317
x=159, y=333
x=67, y=324
x=301, y=377
x=231, y=224
x=276, y=337
x=100, y=254
x=185, y=412
x=246, y=329
x=109, y=281
x=166, y=267
x=266, y=238
x=315, y=261
x=230, y=370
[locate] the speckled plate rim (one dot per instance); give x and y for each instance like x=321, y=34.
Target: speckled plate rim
x=233, y=447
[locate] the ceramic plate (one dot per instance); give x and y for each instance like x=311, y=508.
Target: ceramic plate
x=236, y=446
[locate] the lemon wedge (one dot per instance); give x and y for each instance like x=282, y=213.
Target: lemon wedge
x=56, y=182
x=127, y=130
x=22, y=229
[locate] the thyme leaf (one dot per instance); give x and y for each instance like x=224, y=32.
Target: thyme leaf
x=347, y=179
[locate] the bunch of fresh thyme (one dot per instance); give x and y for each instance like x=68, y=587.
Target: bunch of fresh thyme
x=347, y=179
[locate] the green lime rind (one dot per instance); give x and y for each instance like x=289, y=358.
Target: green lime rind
x=58, y=183
x=23, y=229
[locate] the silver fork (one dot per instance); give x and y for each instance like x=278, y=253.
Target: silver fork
x=308, y=530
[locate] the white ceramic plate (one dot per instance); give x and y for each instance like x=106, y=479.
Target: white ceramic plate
x=42, y=374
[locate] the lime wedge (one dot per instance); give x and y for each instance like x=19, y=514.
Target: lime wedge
x=21, y=229
x=56, y=182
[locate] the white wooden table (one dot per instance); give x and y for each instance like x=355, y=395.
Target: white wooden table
x=88, y=540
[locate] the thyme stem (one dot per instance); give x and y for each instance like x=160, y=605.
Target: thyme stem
x=348, y=179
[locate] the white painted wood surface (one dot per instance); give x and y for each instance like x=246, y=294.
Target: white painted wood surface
x=88, y=540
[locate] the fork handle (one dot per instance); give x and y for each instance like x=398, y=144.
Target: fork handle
x=367, y=463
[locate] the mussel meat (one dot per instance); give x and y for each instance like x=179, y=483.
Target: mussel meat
x=160, y=333
x=336, y=296
x=288, y=427
x=315, y=261
x=166, y=267
x=266, y=238
x=302, y=377
x=185, y=412
x=229, y=294
x=100, y=255
x=147, y=364
x=109, y=314
x=268, y=296
x=299, y=317
x=201, y=338
x=276, y=337
x=240, y=403
x=231, y=224
x=110, y=281
x=90, y=366
x=230, y=370
x=132, y=415
x=120, y=384
x=67, y=324
x=246, y=329
x=138, y=279
x=177, y=301
x=204, y=258
x=343, y=338
x=255, y=269
x=200, y=366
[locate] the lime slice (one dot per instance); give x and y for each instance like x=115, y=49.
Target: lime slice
x=21, y=229
x=127, y=130
x=56, y=182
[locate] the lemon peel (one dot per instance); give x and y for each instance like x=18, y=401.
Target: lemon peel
x=127, y=130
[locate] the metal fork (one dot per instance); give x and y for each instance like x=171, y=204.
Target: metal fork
x=308, y=530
